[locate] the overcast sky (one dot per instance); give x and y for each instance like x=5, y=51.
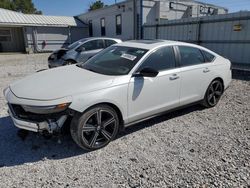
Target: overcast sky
x=75, y=7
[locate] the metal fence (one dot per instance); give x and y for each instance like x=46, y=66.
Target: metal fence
x=228, y=35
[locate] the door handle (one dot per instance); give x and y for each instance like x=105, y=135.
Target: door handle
x=174, y=77
x=206, y=70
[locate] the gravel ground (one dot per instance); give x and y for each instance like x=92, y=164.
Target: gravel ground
x=193, y=147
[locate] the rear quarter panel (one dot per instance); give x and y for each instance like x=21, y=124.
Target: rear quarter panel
x=222, y=69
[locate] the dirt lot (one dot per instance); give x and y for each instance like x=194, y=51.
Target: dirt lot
x=194, y=147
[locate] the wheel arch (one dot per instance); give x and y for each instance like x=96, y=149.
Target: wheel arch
x=216, y=78
x=112, y=105
x=220, y=79
x=117, y=109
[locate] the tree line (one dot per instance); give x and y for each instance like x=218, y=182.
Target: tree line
x=28, y=7
x=24, y=6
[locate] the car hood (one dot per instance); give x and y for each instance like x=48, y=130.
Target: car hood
x=59, y=82
x=58, y=50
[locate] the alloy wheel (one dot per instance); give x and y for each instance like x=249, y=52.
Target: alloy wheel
x=99, y=129
x=214, y=93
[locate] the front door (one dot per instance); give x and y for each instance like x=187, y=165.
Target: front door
x=149, y=96
x=90, y=49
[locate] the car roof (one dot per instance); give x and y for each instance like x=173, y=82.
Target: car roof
x=107, y=38
x=150, y=44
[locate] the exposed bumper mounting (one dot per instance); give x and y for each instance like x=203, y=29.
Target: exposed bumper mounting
x=49, y=126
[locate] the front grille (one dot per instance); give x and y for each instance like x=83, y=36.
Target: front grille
x=20, y=113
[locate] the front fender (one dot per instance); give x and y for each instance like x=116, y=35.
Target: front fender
x=116, y=95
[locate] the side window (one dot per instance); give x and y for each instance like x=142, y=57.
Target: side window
x=190, y=56
x=208, y=57
x=93, y=45
x=109, y=42
x=161, y=59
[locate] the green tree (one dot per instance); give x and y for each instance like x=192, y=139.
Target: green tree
x=24, y=6
x=6, y=4
x=96, y=5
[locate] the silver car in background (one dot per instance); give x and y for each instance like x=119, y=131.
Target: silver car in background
x=80, y=51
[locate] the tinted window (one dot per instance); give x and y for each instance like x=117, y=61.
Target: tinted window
x=190, y=56
x=114, y=60
x=75, y=44
x=109, y=42
x=208, y=57
x=93, y=45
x=161, y=59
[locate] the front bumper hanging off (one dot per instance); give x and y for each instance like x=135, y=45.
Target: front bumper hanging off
x=37, y=126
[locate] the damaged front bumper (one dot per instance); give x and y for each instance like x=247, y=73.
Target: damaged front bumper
x=38, y=119
x=50, y=125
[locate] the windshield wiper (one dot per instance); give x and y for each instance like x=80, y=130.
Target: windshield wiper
x=89, y=69
x=79, y=65
x=92, y=70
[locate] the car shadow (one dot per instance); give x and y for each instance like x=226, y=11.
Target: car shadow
x=18, y=147
x=159, y=119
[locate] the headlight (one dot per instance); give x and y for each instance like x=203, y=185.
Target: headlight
x=46, y=109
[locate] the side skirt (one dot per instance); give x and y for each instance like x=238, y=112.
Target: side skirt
x=162, y=113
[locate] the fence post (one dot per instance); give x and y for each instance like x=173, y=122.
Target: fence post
x=156, y=31
x=199, y=32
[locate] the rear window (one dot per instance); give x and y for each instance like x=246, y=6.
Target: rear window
x=208, y=56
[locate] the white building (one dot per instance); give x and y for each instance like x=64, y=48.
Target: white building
x=125, y=20
x=37, y=33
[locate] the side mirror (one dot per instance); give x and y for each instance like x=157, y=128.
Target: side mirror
x=147, y=72
x=80, y=49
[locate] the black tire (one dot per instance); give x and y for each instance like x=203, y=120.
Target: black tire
x=213, y=94
x=91, y=132
x=69, y=62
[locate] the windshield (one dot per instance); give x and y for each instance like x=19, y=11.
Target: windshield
x=75, y=44
x=115, y=60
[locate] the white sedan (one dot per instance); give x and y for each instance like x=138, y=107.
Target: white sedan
x=122, y=85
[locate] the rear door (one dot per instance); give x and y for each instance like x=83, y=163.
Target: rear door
x=90, y=49
x=195, y=74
